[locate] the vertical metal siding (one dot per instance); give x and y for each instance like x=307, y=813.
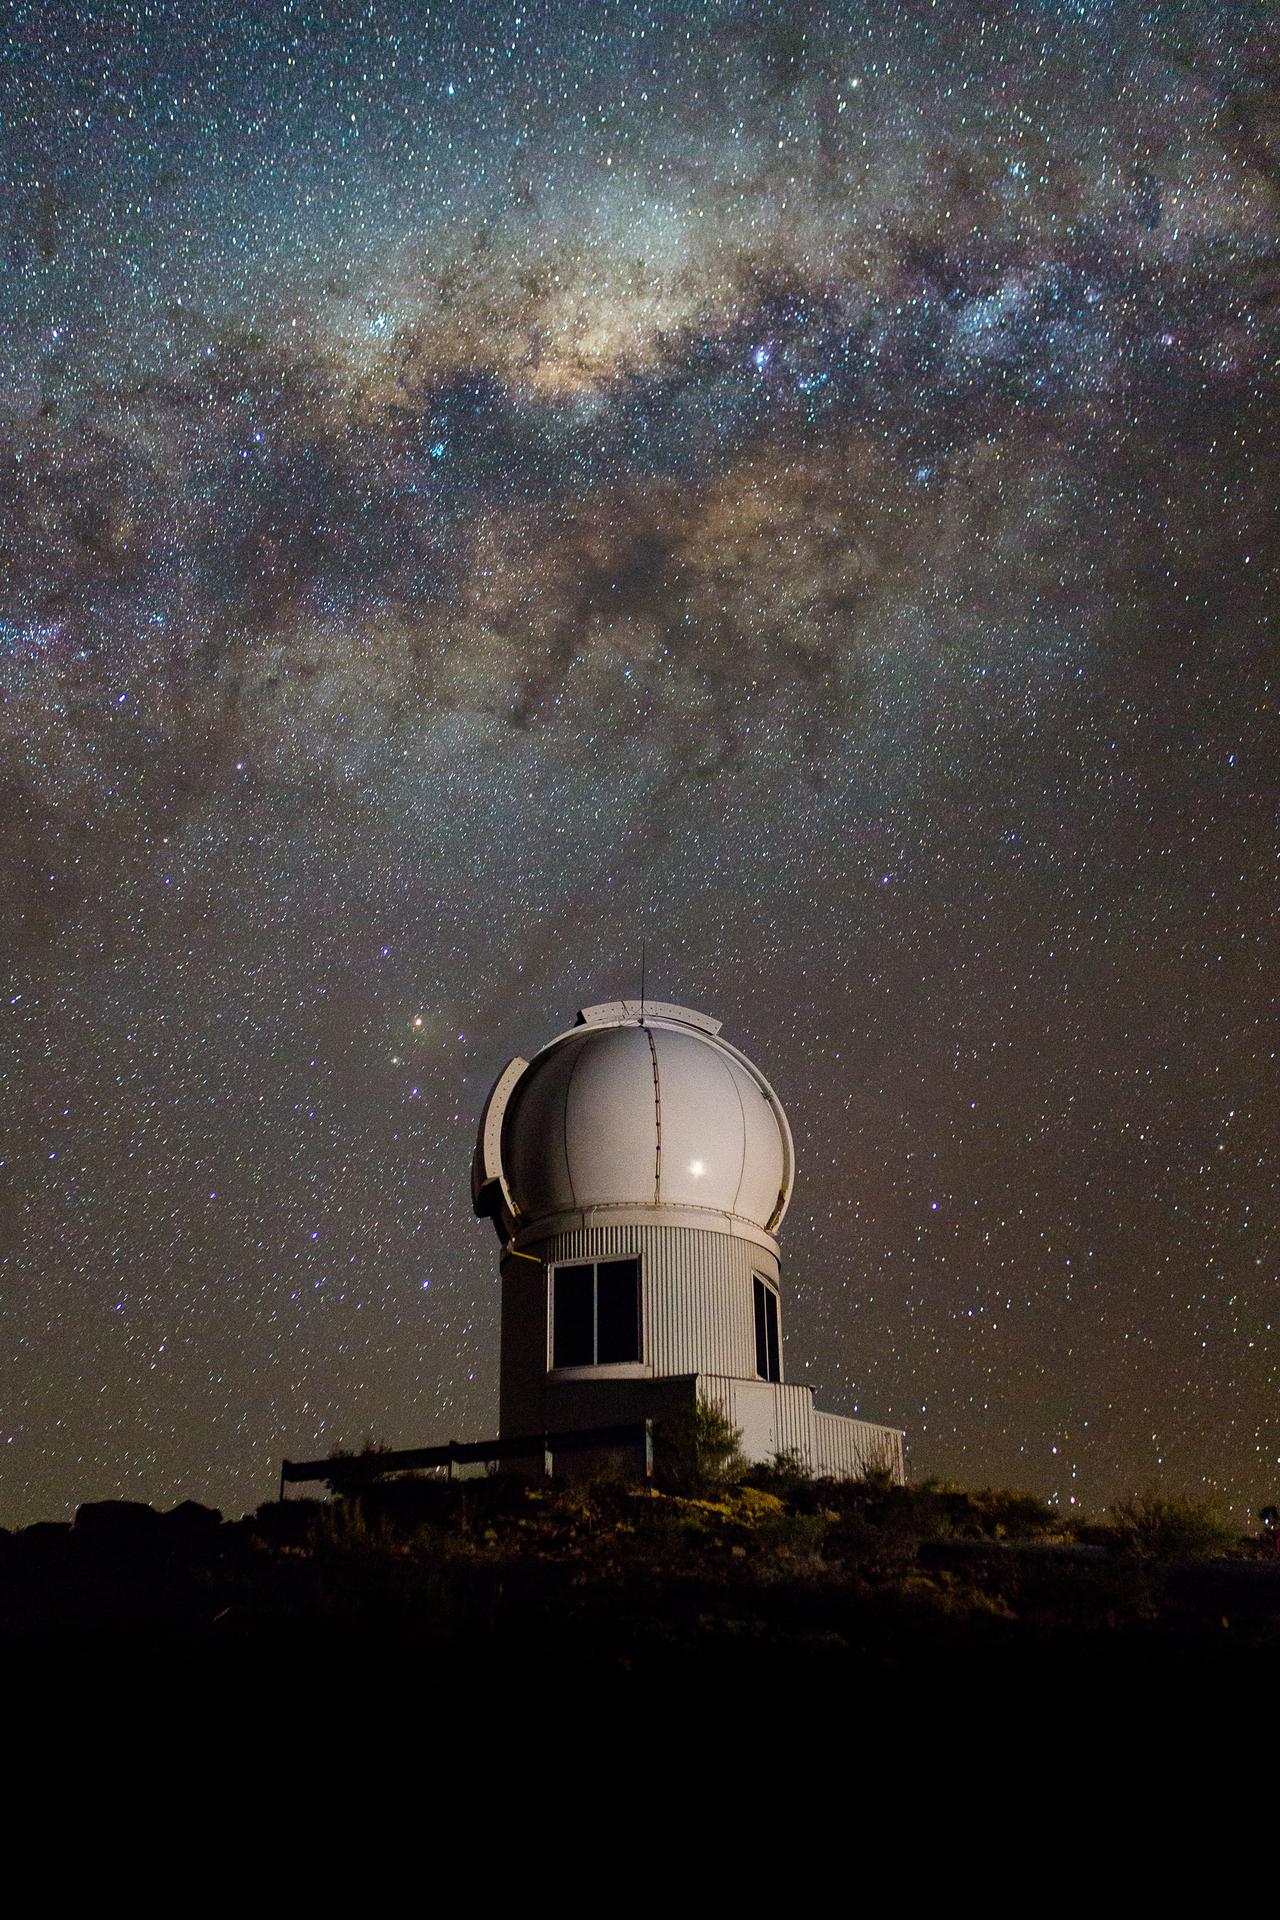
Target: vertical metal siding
x=696, y=1298
x=696, y=1301
x=847, y=1449
x=523, y=1357
x=772, y=1418
x=779, y=1419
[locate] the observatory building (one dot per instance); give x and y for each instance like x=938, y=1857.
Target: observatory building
x=637, y=1171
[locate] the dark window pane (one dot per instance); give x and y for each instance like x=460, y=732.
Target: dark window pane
x=762, y=1332
x=771, y=1315
x=574, y=1319
x=617, y=1310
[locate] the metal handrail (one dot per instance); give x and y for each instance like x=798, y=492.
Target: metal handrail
x=371, y=1466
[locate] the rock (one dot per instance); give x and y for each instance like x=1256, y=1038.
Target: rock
x=43, y=1534
x=118, y=1523
x=190, y=1522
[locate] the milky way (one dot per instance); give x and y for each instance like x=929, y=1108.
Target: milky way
x=483, y=487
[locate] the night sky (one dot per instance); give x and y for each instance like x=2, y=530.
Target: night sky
x=481, y=487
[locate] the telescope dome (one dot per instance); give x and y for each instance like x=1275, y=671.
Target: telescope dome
x=631, y=1110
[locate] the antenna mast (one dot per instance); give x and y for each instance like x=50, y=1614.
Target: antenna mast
x=643, y=957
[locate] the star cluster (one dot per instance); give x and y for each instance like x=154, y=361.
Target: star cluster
x=483, y=486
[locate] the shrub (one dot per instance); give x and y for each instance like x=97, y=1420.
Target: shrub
x=998, y=1513
x=786, y=1475
x=351, y=1468
x=698, y=1452
x=1159, y=1527
x=345, y=1527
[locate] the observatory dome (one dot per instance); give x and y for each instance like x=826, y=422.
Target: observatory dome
x=625, y=1112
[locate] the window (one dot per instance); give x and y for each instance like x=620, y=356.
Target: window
x=768, y=1364
x=595, y=1319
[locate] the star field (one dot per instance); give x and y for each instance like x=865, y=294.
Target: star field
x=481, y=487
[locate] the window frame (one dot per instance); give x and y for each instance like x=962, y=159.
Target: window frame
x=766, y=1322
x=595, y=1365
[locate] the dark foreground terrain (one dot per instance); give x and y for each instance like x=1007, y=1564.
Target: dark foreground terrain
x=817, y=1601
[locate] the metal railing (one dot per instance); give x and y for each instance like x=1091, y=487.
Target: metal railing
x=351, y=1469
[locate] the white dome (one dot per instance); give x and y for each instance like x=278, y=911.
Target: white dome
x=624, y=1113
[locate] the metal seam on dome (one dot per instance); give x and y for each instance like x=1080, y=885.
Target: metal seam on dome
x=657, y=1120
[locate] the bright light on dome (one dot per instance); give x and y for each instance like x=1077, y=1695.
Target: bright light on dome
x=697, y=1168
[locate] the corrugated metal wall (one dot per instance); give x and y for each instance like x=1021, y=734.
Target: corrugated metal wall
x=847, y=1449
x=698, y=1320
x=696, y=1300
x=779, y=1419
x=523, y=1358
x=770, y=1417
